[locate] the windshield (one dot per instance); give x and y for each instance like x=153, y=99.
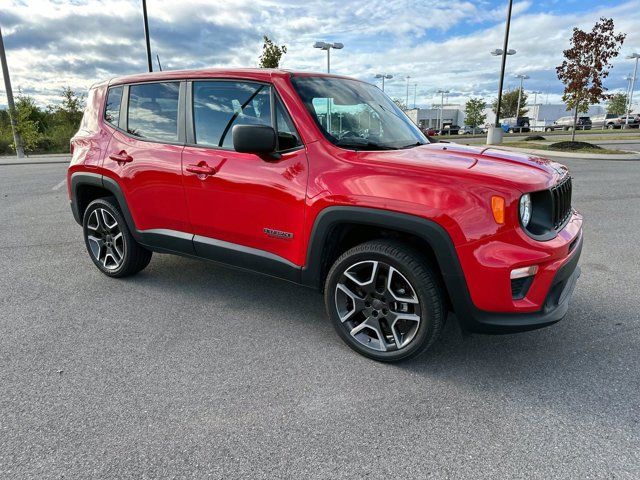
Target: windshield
x=353, y=114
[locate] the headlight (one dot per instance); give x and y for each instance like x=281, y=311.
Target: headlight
x=525, y=209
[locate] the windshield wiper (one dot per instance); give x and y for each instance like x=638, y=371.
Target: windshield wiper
x=365, y=145
x=411, y=145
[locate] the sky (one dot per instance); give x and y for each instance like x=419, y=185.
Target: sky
x=440, y=44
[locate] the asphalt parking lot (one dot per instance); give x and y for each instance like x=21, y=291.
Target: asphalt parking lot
x=194, y=370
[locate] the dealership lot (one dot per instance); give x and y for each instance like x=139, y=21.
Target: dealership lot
x=191, y=369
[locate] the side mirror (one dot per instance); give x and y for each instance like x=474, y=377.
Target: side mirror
x=254, y=138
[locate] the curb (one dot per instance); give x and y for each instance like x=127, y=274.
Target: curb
x=36, y=160
x=583, y=156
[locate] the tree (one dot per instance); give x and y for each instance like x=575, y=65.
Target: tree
x=510, y=104
x=586, y=64
x=26, y=109
x=399, y=103
x=618, y=104
x=474, y=112
x=271, y=54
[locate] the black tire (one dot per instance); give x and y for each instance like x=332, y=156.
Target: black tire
x=132, y=256
x=415, y=269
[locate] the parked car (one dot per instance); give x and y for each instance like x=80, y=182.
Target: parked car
x=467, y=130
x=238, y=167
x=621, y=121
x=511, y=125
x=566, y=123
x=449, y=129
x=603, y=120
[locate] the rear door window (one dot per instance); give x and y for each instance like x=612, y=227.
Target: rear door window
x=153, y=111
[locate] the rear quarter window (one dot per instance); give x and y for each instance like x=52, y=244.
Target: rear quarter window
x=112, y=106
x=153, y=111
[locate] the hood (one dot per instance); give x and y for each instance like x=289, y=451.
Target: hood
x=525, y=172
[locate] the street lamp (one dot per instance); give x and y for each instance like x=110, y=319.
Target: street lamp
x=328, y=46
x=494, y=135
x=383, y=76
x=415, y=90
x=522, y=78
x=498, y=52
x=442, y=92
x=535, y=96
x=633, y=85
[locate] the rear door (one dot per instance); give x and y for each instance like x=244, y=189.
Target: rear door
x=244, y=200
x=144, y=157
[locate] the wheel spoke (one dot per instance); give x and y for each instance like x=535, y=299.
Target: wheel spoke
x=109, y=222
x=403, y=293
x=373, y=325
x=94, y=222
x=369, y=281
x=403, y=338
x=95, y=244
x=357, y=303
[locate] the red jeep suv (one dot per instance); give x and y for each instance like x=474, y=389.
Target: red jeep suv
x=322, y=181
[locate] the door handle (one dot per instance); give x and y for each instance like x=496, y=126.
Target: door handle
x=121, y=157
x=201, y=169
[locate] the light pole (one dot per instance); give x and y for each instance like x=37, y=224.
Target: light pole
x=328, y=46
x=535, y=96
x=146, y=34
x=406, y=102
x=633, y=86
x=415, y=89
x=442, y=92
x=17, y=140
x=522, y=78
x=494, y=134
x=383, y=76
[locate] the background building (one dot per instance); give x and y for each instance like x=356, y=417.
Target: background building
x=453, y=114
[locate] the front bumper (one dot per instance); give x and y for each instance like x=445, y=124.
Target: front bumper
x=554, y=309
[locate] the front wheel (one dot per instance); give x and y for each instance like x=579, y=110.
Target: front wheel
x=385, y=300
x=109, y=242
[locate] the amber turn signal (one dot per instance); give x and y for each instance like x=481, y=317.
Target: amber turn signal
x=497, y=206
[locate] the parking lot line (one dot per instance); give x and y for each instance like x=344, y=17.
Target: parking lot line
x=59, y=185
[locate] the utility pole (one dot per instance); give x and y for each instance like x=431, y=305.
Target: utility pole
x=406, y=102
x=442, y=92
x=505, y=51
x=522, y=79
x=633, y=86
x=17, y=141
x=146, y=34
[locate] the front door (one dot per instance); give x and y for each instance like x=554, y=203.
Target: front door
x=243, y=207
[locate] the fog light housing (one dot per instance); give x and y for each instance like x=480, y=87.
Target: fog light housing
x=521, y=280
x=524, y=272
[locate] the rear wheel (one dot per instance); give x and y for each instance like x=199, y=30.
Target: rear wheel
x=109, y=242
x=385, y=300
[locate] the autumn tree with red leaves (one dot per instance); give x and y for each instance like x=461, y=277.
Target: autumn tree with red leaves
x=587, y=64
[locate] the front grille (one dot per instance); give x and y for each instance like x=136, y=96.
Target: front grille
x=561, y=203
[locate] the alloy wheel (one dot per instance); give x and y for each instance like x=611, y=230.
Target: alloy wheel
x=377, y=306
x=106, y=241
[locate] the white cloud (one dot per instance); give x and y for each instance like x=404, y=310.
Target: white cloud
x=440, y=43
